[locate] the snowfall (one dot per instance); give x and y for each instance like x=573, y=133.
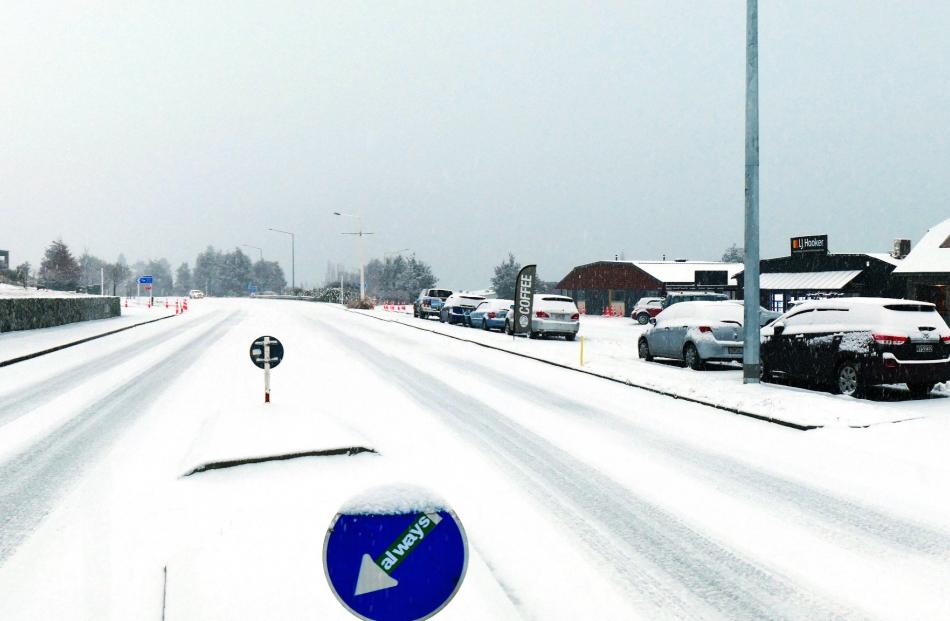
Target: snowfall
x=608, y=488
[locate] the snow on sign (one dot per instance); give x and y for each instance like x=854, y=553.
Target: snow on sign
x=395, y=562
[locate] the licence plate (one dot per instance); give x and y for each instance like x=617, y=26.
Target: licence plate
x=559, y=317
x=925, y=349
x=735, y=350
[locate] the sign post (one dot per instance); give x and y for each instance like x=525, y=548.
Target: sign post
x=524, y=300
x=266, y=353
x=399, y=563
x=147, y=281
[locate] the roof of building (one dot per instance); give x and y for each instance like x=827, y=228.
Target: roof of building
x=812, y=281
x=685, y=271
x=931, y=254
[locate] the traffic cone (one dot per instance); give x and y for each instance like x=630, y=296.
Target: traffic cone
x=176, y=307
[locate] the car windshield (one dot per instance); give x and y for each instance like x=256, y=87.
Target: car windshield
x=436, y=310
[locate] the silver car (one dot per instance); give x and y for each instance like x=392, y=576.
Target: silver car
x=694, y=332
x=554, y=315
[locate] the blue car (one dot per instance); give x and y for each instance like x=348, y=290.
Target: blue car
x=490, y=315
x=458, y=306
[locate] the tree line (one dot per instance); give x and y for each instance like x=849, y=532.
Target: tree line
x=215, y=271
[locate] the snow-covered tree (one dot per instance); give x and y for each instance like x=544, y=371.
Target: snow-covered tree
x=503, y=282
x=59, y=270
x=183, y=279
x=734, y=254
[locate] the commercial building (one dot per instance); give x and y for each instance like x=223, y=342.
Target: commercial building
x=619, y=284
x=810, y=271
x=925, y=273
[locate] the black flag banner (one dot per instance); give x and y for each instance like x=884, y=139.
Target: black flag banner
x=524, y=299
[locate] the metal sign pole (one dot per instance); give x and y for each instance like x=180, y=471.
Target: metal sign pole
x=266, y=369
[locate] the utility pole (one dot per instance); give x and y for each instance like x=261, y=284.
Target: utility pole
x=751, y=363
x=360, y=233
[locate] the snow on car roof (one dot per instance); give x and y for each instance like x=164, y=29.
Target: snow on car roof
x=685, y=271
x=852, y=302
x=931, y=254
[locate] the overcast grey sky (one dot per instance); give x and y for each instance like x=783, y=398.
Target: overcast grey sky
x=564, y=132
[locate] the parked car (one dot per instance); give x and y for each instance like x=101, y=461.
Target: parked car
x=853, y=343
x=458, y=306
x=554, y=315
x=429, y=302
x=692, y=296
x=766, y=316
x=646, y=308
x=196, y=293
x=490, y=314
x=694, y=332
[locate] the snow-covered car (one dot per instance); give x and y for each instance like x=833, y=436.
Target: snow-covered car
x=646, y=308
x=196, y=294
x=554, y=315
x=678, y=297
x=694, y=332
x=429, y=302
x=766, y=316
x=458, y=306
x=490, y=314
x=853, y=343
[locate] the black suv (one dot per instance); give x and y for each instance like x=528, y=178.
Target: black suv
x=853, y=343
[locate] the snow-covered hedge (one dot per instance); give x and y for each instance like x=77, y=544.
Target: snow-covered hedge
x=29, y=313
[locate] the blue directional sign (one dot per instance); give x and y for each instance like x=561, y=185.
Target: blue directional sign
x=399, y=567
x=146, y=280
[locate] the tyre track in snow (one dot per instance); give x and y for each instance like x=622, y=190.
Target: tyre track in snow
x=832, y=515
x=654, y=556
x=32, y=481
x=30, y=397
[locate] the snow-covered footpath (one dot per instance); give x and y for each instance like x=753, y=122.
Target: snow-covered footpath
x=610, y=349
x=582, y=498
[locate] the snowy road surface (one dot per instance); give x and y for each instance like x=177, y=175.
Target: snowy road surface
x=582, y=498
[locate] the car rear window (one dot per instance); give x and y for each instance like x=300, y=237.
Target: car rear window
x=912, y=308
x=439, y=293
x=556, y=298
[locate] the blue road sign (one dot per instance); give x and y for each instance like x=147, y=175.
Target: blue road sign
x=399, y=567
x=145, y=280
x=251, y=287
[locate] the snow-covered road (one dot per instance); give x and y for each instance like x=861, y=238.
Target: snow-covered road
x=582, y=498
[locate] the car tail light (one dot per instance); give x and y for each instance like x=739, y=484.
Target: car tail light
x=491, y=314
x=541, y=315
x=705, y=329
x=890, y=339
x=945, y=339
x=577, y=317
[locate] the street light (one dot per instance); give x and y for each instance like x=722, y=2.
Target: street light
x=751, y=363
x=392, y=252
x=293, y=280
x=255, y=248
x=360, y=233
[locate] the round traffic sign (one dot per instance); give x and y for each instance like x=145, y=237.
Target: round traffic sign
x=400, y=566
x=275, y=348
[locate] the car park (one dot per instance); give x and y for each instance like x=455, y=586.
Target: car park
x=458, y=306
x=429, y=302
x=490, y=314
x=646, y=308
x=850, y=344
x=692, y=296
x=554, y=315
x=695, y=333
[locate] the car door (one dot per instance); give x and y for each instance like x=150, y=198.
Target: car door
x=792, y=346
x=479, y=312
x=658, y=338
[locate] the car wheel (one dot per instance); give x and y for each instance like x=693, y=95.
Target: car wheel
x=765, y=373
x=532, y=335
x=643, y=319
x=848, y=379
x=920, y=390
x=570, y=337
x=643, y=348
x=692, y=358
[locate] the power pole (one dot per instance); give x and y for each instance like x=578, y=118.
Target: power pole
x=751, y=363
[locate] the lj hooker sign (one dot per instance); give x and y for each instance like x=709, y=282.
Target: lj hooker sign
x=810, y=244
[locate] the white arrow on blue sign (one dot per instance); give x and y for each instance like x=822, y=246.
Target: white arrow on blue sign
x=146, y=280
x=395, y=567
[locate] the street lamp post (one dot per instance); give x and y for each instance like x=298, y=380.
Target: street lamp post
x=293, y=279
x=359, y=233
x=751, y=363
x=260, y=250
x=395, y=252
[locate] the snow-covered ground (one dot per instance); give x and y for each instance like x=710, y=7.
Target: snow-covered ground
x=582, y=498
x=15, y=291
x=610, y=349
